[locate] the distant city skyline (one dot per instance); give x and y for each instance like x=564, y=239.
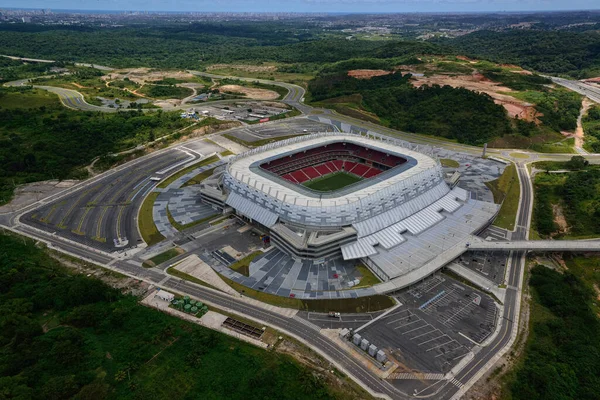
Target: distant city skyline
x=303, y=6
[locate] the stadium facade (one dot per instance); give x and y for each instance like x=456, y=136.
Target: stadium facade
x=369, y=198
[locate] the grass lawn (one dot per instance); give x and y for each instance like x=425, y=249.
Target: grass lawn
x=564, y=146
x=150, y=234
x=30, y=99
x=332, y=182
x=448, y=163
x=187, y=277
x=368, y=278
x=506, y=190
x=242, y=266
x=356, y=305
x=199, y=178
x=162, y=257
x=184, y=171
x=166, y=92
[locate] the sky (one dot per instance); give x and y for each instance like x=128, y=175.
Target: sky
x=354, y=6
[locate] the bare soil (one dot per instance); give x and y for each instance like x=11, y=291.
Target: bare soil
x=465, y=58
x=579, y=133
x=367, y=73
x=243, y=67
x=146, y=75
x=251, y=93
x=559, y=219
x=30, y=193
x=478, y=83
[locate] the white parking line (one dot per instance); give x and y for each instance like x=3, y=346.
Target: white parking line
x=422, y=334
x=440, y=345
x=431, y=340
x=399, y=319
x=415, y=329
x=402, y=326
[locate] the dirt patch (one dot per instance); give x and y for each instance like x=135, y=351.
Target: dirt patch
x=479, y=83
x=367, y=73
x=207, y=130
x=77, y=85
x=146, y=75
x=465, y=58
x=29, y=193
x=597, y=290
x=243, y=67
x=559, y=219
x=521, y=72
x=168, y=104
x=579, y=133
x=251, y=93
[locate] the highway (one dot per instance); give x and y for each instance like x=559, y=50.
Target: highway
x=592, y=92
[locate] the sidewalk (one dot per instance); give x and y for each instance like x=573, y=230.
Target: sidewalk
x=212, y=320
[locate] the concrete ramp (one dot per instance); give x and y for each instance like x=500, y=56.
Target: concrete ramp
x=194, y=266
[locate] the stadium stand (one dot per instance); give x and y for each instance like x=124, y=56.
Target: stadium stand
x=320, y=161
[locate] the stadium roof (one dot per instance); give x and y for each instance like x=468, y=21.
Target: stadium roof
x=240, y=169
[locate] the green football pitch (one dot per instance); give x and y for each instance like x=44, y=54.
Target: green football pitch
x=332, y=182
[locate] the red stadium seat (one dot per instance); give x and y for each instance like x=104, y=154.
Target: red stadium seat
x=322, y=169
x=311, y=172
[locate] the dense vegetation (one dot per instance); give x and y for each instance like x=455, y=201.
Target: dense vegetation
x=178, y=45
x=11, y=70
x=576, y=193
x=166, y=91
x=66, y=335
x=591, y=128
x=49, y=141
x=559, y=107
x=575, y=53
x=458, y=114
x=562, y=355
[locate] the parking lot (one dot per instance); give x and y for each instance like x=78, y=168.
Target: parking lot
x=296, y=126
x=438, y=323
x=239, y=110
x=103, y=214
x=489, y=264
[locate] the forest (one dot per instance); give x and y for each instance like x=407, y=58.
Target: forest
x=562, y=354
x=457, y=114
x=575, y=52
x=66, y=335
x=50, y=141
x=591, y=128
x=575, y=193
x=547, y=51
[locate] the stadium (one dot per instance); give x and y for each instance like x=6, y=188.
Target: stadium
x=354, y=198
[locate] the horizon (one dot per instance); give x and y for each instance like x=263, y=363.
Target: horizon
x=309, y=6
